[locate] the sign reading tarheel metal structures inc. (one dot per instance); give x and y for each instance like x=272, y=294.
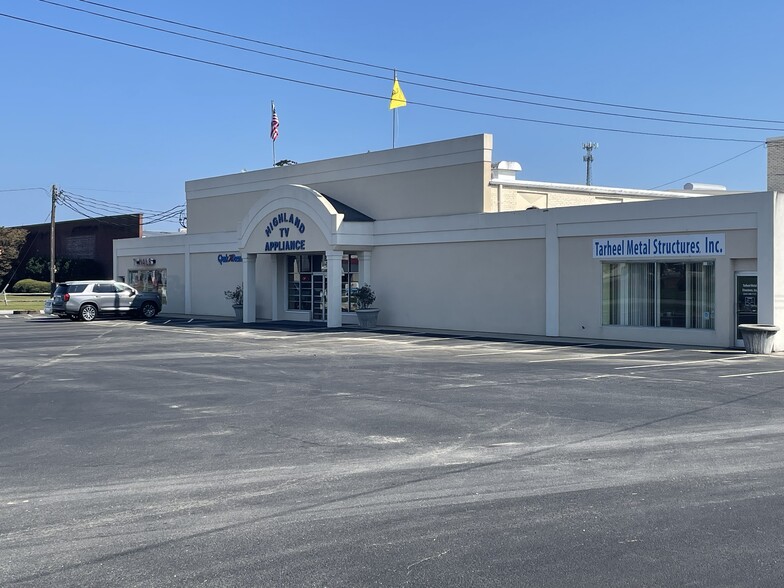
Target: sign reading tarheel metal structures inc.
x=657, y=246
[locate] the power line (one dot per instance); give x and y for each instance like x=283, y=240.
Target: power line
x=96, y=213
x=409, y=82
x=100, y=217
x=23, y=190
x=117, y=206
x=95, y=209
x=443, y=79
x=375, y=96
x=108, y=190
x=708, y=168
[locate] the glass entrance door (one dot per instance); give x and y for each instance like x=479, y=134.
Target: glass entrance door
x=306, y=288
x=319, y=307
x=745, y=302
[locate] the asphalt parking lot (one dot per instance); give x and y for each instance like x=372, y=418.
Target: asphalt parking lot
x=176, y=453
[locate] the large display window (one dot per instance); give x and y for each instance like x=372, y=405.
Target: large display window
x=149, y=280
x=659, y=294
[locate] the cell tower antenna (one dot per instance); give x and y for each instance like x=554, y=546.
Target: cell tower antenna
x=588, y=159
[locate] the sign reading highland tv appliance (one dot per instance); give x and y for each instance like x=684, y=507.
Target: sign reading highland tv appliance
x=281, y=229
x=708, y=245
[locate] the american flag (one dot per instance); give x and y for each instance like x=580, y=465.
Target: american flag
x=274, y=124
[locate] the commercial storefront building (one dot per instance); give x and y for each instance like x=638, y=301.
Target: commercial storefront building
x=448, y=240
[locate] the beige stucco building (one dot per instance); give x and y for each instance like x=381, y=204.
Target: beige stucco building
x=448, y=240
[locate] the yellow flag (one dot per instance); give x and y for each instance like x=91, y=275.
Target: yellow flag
x=398, y=98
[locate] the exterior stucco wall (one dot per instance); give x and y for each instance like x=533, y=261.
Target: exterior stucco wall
x=388, y=196
x=495, y=286
x=441, y=178
x=413, y=194
x=209, y=281
x=517, y=199
x=219, y=213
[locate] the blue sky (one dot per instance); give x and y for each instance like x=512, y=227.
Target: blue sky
x=124, y=125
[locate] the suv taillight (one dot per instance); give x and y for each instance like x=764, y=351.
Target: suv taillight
x=66, y=297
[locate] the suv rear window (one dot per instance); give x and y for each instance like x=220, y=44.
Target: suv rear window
x=72, y=288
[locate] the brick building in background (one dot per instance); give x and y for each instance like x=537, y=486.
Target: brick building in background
x=81, y=246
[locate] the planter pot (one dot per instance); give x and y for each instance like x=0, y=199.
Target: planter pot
x=758, y=338
x=368, y=317
x=237, y=311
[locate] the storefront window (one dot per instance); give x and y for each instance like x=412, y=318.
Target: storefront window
x=349, y=282
x=149, y=280
x=679, y=294
x=301, y=270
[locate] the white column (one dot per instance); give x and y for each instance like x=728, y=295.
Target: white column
x=364, y=268
x=249, y=287
x=551, y=291
x=187, y=280
x=334, y=270
x=277, y=261
x=770, y=265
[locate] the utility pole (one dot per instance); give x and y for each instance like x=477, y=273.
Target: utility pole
x=588, y=159
x=52, y=285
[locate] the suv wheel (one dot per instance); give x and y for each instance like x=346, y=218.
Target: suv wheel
x=149, y=310
x=88, y=312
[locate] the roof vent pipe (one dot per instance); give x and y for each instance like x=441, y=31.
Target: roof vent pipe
x=705, y=187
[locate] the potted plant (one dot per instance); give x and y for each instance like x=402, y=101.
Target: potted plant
x=367, y=316
x=235, y=296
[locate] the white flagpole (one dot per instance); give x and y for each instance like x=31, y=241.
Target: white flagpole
x=394, y=111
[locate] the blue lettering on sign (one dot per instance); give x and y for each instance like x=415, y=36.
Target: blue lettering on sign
x=284, y=218
x=296, y=245
x=608, y=248
x=714, y=246
x=229, y=258
x=660, y=246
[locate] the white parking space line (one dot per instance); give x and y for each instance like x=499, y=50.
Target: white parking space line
x=753, y=374
x=597, y=356
x=506, y=352
x=679, y=363
x=545, y=349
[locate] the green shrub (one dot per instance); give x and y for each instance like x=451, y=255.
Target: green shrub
x=28, y=286
x=365, y=297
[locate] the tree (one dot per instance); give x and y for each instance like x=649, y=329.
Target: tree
x=11, y=241
x=37, y=268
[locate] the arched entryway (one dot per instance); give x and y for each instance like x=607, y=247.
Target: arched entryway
x=320, y=251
